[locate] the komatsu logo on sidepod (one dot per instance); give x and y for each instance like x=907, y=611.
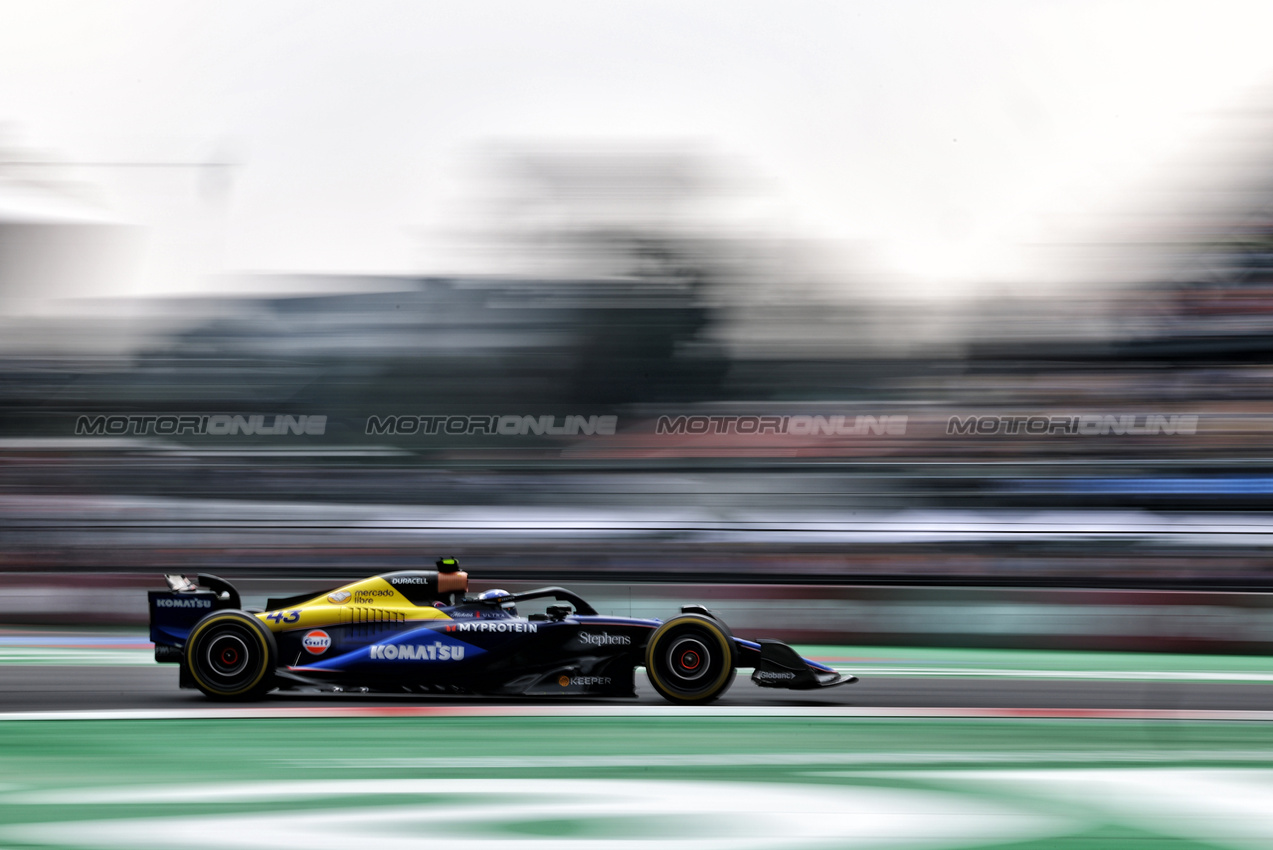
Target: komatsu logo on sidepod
x=316, y=642
x=436, y=651
x=183, y=603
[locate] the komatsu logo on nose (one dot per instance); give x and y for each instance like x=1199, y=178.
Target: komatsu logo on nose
x=435, y=651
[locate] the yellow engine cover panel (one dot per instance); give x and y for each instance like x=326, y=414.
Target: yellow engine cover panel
x=370, y=600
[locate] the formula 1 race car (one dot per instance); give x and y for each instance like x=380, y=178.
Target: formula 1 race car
x=420, y=631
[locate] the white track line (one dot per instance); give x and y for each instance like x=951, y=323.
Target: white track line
x=1007, y=673
x=642, y=711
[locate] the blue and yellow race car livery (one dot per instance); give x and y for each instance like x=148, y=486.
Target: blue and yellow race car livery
x=420, y=631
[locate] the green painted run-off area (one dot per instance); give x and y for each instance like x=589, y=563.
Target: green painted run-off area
x=676, y=782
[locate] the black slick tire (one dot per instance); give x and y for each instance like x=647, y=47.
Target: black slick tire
x=230, y=655
x=690, y=659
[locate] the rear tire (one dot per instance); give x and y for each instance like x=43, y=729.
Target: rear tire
x=690, y=659
x=230, y=655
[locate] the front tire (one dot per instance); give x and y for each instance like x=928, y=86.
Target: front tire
x=230, y=655
x=690, y=659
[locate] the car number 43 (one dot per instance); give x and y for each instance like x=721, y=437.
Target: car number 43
x=284, y=616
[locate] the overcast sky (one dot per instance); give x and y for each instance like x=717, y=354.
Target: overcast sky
x=941, y=132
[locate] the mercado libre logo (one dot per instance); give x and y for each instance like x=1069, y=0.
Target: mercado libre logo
x=316, y=642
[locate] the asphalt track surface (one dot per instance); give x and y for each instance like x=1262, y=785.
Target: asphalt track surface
x=26, y=688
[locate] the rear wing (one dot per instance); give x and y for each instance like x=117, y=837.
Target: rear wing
x=174, y=612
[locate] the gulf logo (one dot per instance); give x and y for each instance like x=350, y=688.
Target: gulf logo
x=316, y=642
x=338, y=597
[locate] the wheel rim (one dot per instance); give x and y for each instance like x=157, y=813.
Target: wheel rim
x=688, y=659
x=227, y=655
x=228, y=658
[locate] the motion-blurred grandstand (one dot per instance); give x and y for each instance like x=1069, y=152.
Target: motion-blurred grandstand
x=667, y=410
